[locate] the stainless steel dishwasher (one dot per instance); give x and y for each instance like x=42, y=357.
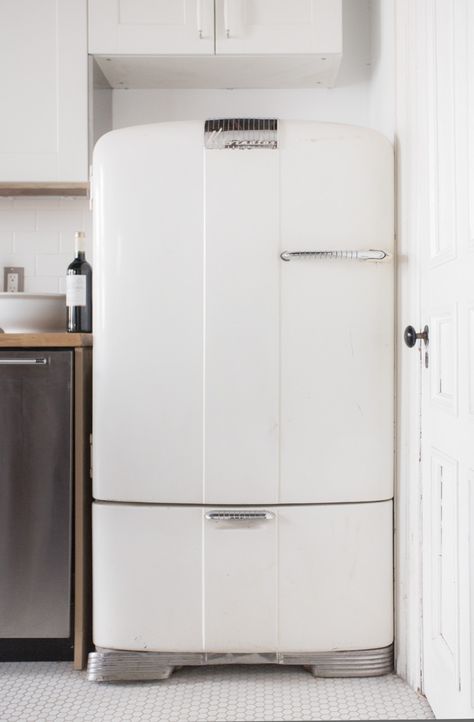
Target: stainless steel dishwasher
x=36, y=428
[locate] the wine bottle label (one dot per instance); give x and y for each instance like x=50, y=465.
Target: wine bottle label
x=76, y=290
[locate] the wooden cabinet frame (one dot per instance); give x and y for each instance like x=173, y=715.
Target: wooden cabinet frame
x=82, y=506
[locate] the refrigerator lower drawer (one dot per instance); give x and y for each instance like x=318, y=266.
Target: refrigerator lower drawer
x=254, y=579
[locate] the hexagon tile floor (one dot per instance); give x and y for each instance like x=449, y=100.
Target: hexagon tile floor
x=52, y=691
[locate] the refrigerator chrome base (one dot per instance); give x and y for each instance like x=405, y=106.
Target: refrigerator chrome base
x=108, y=665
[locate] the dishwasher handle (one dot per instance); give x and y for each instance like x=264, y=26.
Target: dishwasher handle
x=23, y=361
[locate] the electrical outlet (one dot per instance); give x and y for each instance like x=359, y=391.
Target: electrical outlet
x=13, y=279
x=12, y=282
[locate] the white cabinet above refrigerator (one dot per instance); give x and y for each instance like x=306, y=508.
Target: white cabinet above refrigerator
x=167, y=27
x=278, y=27
x=221, y=44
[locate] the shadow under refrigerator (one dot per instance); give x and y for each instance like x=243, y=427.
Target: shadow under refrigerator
x=243, y=397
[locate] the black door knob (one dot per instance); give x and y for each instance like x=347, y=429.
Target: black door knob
x=411, y=336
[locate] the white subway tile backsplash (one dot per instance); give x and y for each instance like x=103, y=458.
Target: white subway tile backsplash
x=67, y=219
x=36, y=202
x=38, y=234
x=36, y=242
x=6, y=243
x=17, y=219
x=52, y=264
x=37, y=284
x=23, y=260
x=70, y=201
x=66, y=243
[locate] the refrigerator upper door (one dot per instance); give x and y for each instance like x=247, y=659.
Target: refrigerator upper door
x=223, y=374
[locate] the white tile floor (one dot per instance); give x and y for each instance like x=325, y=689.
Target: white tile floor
x=52, y=691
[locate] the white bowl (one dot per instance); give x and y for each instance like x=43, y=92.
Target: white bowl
x=32, y=312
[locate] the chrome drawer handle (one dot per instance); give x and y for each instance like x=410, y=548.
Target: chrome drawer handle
x=239, y=515
x=23, y=361
x=335, y=255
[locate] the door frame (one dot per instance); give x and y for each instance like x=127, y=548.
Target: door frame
x=408, y=482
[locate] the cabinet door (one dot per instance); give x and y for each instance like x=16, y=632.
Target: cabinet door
x=169, y=27
x=43, y=126
x=278, y=26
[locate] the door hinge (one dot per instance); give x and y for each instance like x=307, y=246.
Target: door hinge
x=90, y=456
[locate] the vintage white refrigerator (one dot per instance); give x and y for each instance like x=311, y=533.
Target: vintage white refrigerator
x=243, y=397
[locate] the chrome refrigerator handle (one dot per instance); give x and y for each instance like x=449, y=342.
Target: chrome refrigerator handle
x=335, y=255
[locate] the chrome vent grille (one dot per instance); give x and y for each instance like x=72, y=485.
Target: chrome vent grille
x=241, y=133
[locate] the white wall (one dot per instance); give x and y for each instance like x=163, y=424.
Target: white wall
x=381, y=110
x=346, y=105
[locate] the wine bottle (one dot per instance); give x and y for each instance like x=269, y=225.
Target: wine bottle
x=79, y=290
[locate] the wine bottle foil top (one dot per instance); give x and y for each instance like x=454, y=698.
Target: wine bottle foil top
x=79, y=241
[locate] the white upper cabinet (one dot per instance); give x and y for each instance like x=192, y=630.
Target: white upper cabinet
x=186, y=27
x=167, y=27
x=43, y=124
x=278, y=27
x=208, y=43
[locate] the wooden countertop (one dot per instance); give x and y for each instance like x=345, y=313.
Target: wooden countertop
x=45, y=340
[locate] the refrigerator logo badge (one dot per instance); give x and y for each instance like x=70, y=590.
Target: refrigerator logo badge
x=241, y=133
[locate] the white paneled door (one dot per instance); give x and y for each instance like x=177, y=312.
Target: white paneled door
x=446, y=226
